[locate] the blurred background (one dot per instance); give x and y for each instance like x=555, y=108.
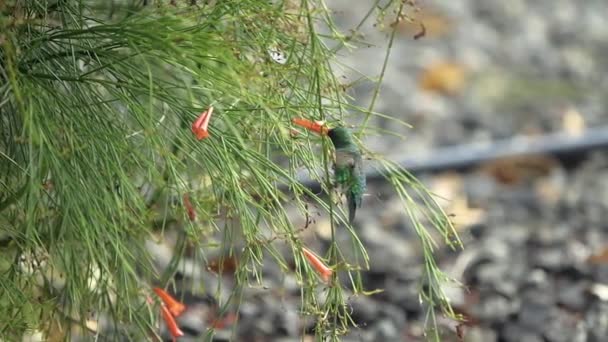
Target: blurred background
x=507, y=100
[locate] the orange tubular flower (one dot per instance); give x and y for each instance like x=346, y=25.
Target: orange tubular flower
x=171, y=323
x=201, y=124
x=318, y=265
x=315, y=126
x=174, y=306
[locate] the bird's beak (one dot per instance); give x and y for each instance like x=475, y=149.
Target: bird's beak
x=315, y=126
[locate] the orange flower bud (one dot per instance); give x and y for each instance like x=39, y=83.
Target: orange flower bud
x=318, y=265
x=171, y=323
x=201, y=124
x=174, y=306
x=315, y=126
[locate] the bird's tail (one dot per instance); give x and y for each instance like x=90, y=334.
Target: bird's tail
x=354, y=202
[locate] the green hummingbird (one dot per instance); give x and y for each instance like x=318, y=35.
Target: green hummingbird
x=348, y=168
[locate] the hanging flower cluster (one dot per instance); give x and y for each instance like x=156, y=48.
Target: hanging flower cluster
x=170, y=308
x=320, y=128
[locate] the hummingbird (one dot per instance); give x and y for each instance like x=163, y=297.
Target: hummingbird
x=348, y=164
x=348, y=168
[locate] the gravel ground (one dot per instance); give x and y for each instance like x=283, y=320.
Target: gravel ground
x=485, y=70
x=534, y=229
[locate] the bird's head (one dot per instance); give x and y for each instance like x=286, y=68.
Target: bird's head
x=340, y=137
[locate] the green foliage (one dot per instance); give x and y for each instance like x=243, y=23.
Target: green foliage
x=96, y=102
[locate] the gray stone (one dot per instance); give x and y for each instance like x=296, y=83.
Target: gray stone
x=561, y=327
x=573, y=295
x=493, y=308
x=513, y=332
x=534, y=314
x=386, y=330
x=480, y=334
x=596, y=321
x=550, y=258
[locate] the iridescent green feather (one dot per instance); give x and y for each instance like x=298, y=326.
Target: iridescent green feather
x=348, y=170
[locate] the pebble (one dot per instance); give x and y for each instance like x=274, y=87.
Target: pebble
x=494, y=308
x=596, y=321
x=573, y=295
x=534, y=314
x=480, y=334
x=514, y=332
x=561, y=327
